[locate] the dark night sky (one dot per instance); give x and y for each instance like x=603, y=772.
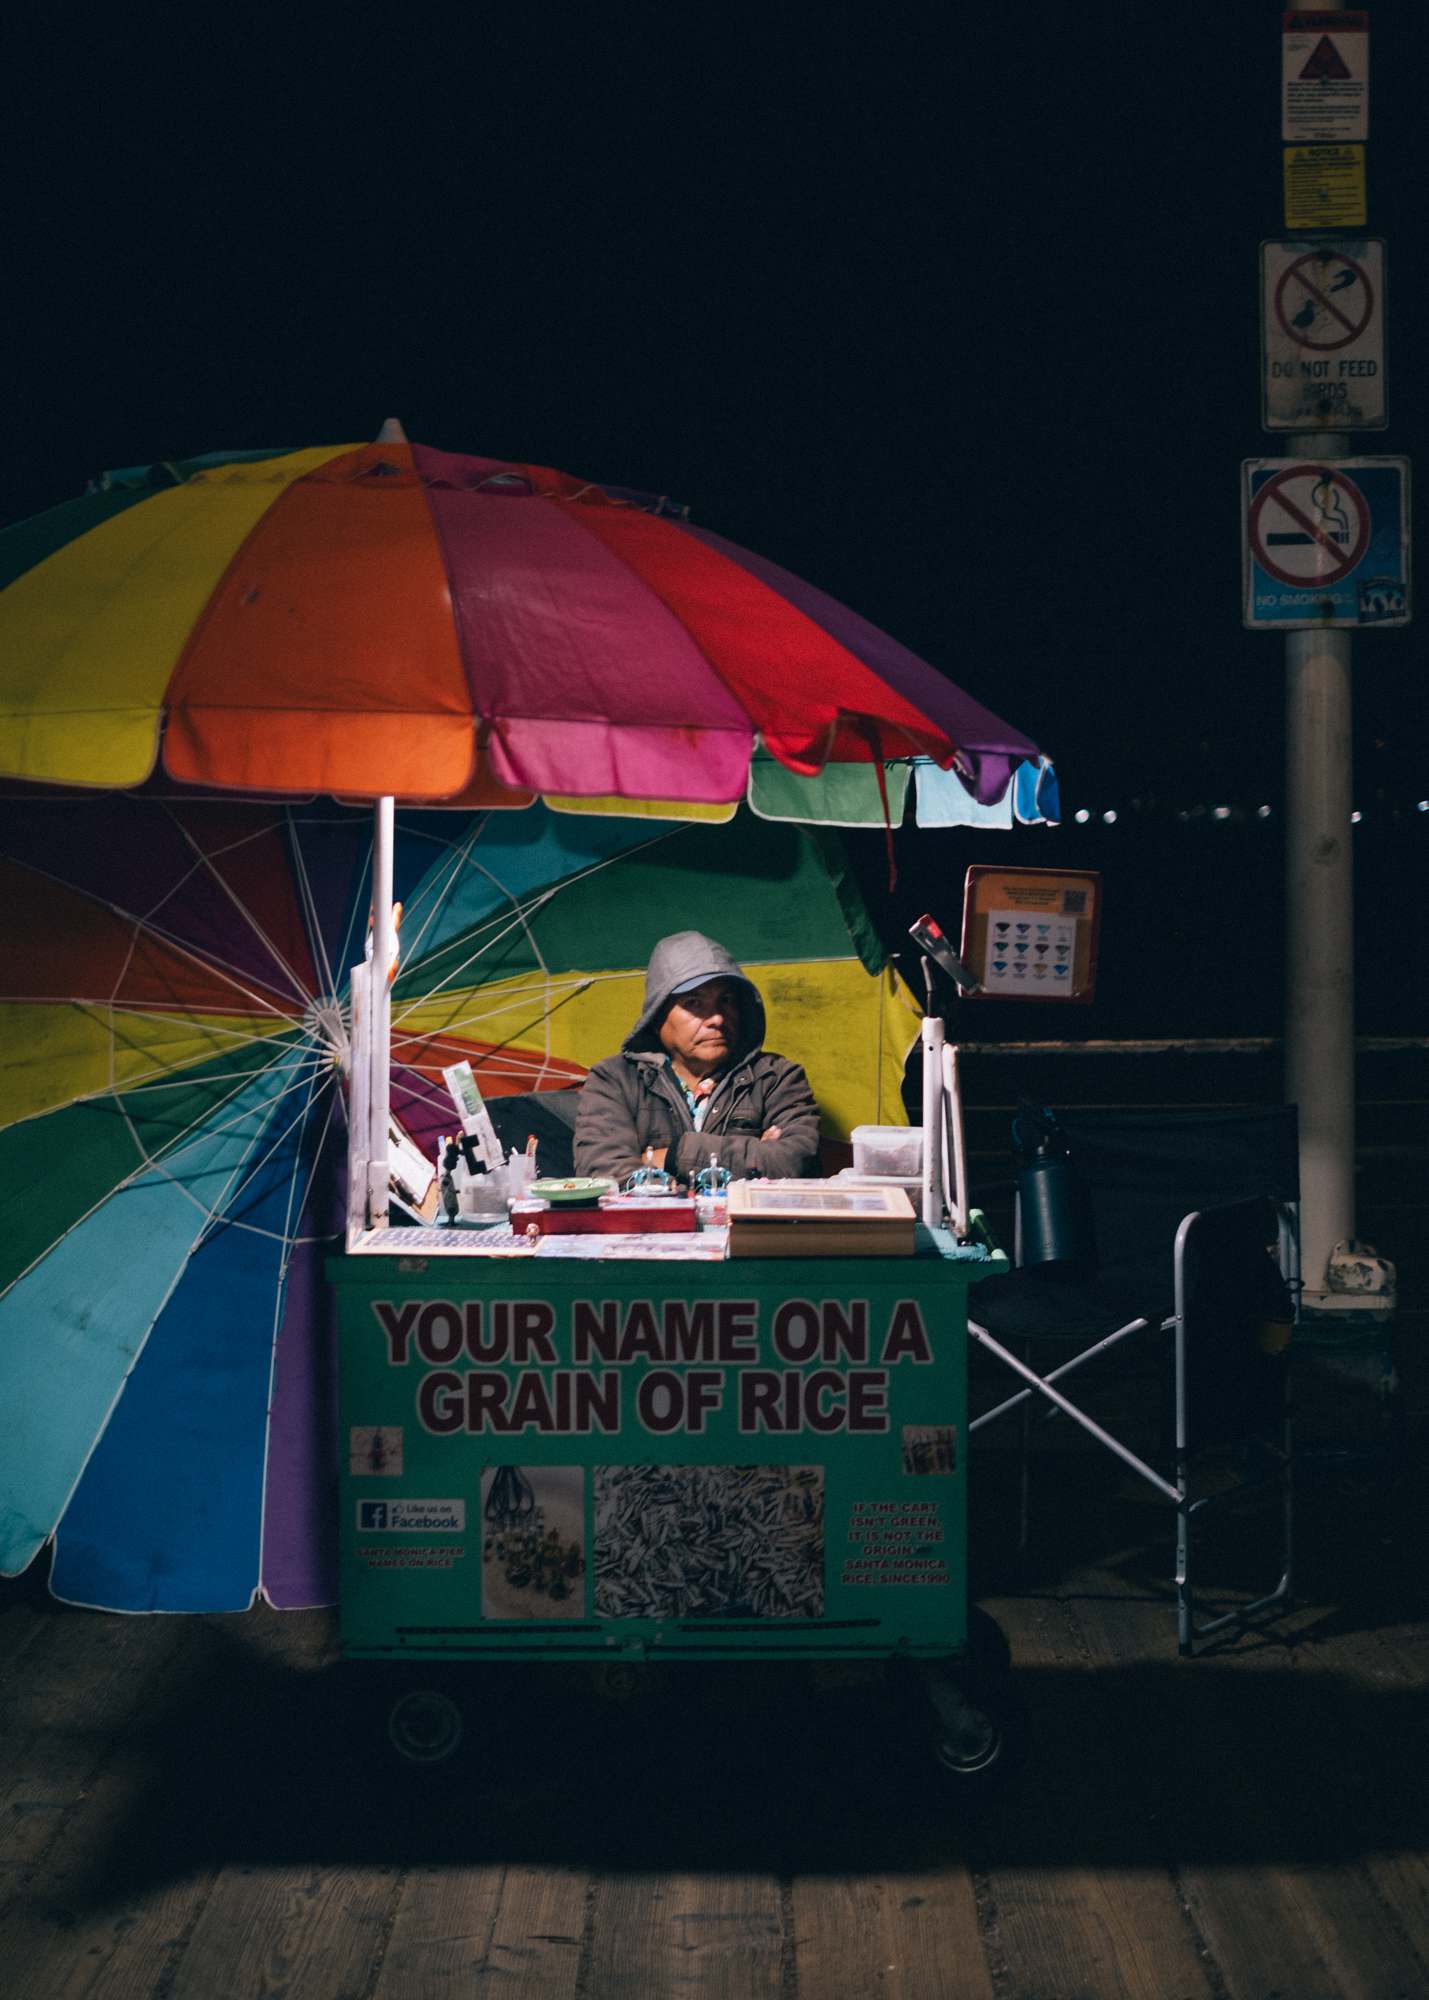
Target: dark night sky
x=956, y=313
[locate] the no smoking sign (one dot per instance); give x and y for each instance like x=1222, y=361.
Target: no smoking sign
x=1322, y=335
x=1326, y=544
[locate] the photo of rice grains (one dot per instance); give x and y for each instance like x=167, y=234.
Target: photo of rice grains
x=703, y=1541
x=533, y=1541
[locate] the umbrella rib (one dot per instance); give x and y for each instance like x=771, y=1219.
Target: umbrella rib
x=515, y=922
x=521, y=910
x=148, y=1163
x=436, y=1036
x=206, y=861
x=139, y=923
x=308, y=902
x=156, y=1159
x=280, y=1300
x=256, y=1165
x=456, y=859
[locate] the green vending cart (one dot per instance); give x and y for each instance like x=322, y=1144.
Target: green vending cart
x=593, y=1456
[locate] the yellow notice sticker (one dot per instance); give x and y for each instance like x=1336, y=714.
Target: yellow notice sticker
x=1324, y=187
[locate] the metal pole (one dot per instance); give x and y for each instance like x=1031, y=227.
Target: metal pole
x=1319, y=885
x=380, y=1013
x=933, y=1108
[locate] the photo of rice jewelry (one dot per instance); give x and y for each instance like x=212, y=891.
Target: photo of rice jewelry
x=533, y=1562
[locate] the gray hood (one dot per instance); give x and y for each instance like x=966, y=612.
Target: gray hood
x=688, y=956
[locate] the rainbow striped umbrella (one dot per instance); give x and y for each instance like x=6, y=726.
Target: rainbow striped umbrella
x=386, y=618
x=208, y=649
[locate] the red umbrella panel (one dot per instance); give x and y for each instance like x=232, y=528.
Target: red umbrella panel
x=388, y=618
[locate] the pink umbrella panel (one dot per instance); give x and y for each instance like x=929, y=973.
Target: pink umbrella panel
x=388, y=618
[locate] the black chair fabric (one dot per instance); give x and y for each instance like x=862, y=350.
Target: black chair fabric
x=1143, y=1171
x=548, y=1116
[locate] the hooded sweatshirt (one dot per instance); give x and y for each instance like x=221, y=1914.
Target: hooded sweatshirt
x=634, y=1100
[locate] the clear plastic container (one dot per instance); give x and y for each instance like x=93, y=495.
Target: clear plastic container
x=894, y=1151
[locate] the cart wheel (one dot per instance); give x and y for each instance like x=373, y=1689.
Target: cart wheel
x=980, y=1738
x=424, y=1725
x=989, y=1654
x=980, y=1719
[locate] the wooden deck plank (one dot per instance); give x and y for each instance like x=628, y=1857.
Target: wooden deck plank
x=21, y=1624
x=1099, y=1920
x=1243, y=1809
x=915, y=1935
x=84, y=1677
x=706, y=1935
x=459, y=1930
x=1373, y=1707
x=74, y=1931
x=73, y=1925
x=300, y=1932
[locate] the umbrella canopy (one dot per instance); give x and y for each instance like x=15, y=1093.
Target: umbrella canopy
x=207, y=647
x=172, y=1123
x=387, y=618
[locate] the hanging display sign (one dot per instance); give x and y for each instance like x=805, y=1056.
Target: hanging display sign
x=1325, y=187
x=1031, y=933
x=1325, y=544
x=1324, y=75
x=1322, y=335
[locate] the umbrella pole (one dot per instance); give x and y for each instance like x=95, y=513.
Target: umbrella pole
x=380, y=1013
x=934, y=1110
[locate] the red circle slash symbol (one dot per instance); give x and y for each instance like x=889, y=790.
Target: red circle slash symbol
x=1309, y=525
x=1324, y=300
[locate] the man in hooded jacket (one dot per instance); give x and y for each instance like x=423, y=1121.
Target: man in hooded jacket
x=693, y=1080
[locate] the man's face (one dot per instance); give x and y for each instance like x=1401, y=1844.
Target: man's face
x=701, y=1028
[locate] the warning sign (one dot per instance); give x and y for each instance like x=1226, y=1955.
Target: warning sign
x=1326, y=544
x=1324, y=187
x=1324, y=76
x=1322, y=322
x=1308, y=524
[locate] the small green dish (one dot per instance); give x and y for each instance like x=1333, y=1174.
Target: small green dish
x=580, y=1192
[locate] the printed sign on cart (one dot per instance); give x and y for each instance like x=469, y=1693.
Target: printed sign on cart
x=1324, y=74
x=1322, y=322
x=1326, y=544
x=709, y=1458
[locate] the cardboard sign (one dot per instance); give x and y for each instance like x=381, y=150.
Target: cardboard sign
x=1031, y=933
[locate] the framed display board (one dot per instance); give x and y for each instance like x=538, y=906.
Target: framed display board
x=1031, y=933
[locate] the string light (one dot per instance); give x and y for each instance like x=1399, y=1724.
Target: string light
x=1382, y=811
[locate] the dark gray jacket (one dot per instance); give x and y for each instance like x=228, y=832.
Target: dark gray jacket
x=633, y=1100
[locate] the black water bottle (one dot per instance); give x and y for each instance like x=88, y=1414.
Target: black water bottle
x=1054, y=1212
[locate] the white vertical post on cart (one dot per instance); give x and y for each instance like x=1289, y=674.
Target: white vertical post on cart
x=379, y=1086
x=957, y=1166
x=1319, y=885
x=934, y=1114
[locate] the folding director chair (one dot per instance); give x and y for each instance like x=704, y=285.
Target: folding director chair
x=1194, y=1219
